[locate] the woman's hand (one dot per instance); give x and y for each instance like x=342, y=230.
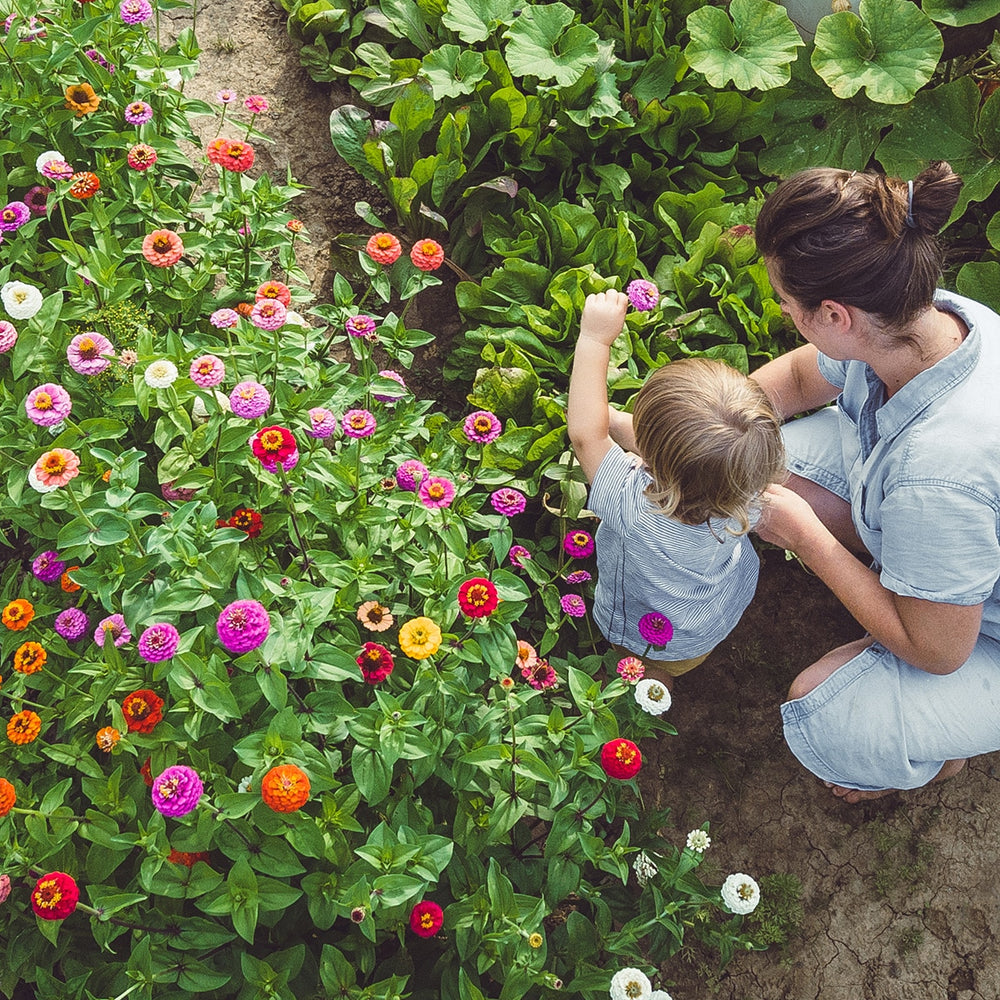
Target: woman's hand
x=787, y=520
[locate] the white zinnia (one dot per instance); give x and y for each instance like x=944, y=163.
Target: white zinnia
x=631, y=984
x=47, y=157
x=172, y=77
x=160, y=374
x=660, y=995
x=36, y=484
x=292, y=318
x=20, y=300
x=644, y=867
x=699, y=841
x=652, y=696
x=740, y=893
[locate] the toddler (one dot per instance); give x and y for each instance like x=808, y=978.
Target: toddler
x=703, y=443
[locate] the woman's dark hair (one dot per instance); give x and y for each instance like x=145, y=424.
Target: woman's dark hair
x=859, y=238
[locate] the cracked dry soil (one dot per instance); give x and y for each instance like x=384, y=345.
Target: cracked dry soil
x=899, y=896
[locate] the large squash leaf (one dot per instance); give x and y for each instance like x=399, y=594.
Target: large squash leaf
x=542, y=45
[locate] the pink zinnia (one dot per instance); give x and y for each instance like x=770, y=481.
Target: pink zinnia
x=14, y=215
x=322, y=422
x=177, y=791
x=47, y=566
x=631, y=669
x=242, y=626
x=579, y=544
x=579, y=576
x=89, y=353
x=642, y=294
x=540, y=675
x=207, y=371
x=48, y=405
x=517, y=555
x=36, y=198
x=268, y=314
x=436, y=491
x=358, y=423
x=8, y=336
x=57, y=170
x=508, y=502
x=224, y=318
x=396, y=377
x=158, y=642
x=360, y=325
x=135, y=11
x=141, y=156
x=182, y=494
x=250, y=400
x=411, y=474
x=573, y=605
x=482, y=426
x=138, y=113
x=56, y=467
x=256, y=104
x=114, y=627
x=226, y=96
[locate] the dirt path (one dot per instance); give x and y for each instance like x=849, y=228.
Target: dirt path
x=899, y=895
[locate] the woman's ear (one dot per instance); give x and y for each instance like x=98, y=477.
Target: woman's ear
x=840, y=318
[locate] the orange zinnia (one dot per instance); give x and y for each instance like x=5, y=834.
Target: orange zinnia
x=29, y=658
x=18, y=614
x=107, y=738
x=84, y=184
x=24, y=727
x=80, y=97
x=7, y=796
x=285, y=788
x=68, y=584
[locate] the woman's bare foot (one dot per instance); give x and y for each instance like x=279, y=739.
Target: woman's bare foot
x=852, y=795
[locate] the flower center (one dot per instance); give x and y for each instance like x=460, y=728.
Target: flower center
x=745, y=891
x=138, y=708
x=478, y=595
x=53, y=465
x=9, y=215
x=358, y=422
x=20, y=295
x=483, y=425
x=271, y=441
x=436, y=491
x=168, y=788
x=633, y=989
x=426, y=921
x=87, y=348
x=625, y=754
x=161, y=244
x=48, y=895
x=80, y=96
x=383, y=242
x=43, y=401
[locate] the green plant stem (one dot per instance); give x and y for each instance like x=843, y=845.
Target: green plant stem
x=357, y=467
x=627, y=28
x=45, y=815
x=274, y=378
x=27, y=701
x=13, y=65
x=513, y=750
x=76, y=503
x=287, y=490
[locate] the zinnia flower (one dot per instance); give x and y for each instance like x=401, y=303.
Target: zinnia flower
x=226, y=96
x=8, y=336
x=411, y=474
x=621, y=759
x=374, y=617
x=285, y=788
x=246, y=520
x=89, y=353
x=135, y=11
x=250, y=400
x=642, y=294
x=37, y=199
x=740, y=893
x=383, y=248
x=573, y=605
x=67, y=583
x=142, y=709
x=526, y=655
x=699, y=841
x=81, y=99
x=207, y=371
x=236, y=156
x=48, y=405
x=55, y=896
x=57, y=467
x=162, y=248
x=517, y=555
x=375, y=662
x=84, y=185
x=643, y=867
x=17, y=614
x=295, y=225
x=274, y=290
x=141, y=156
x=396, y=377
x=112, y=627
x=427, y=255
x=14, y=215
x=436, y=491
x=255, y=104
x=540, y=675
x=478, y=598
x=24, y=727
x=322, y=423
x=268, y=314
x=242, y=626
x=8, y=796
x=187, y=858
x=57, y=170
x=47, y=566
x=426, y=918
x=652, y=696
x=579, y=544
x=29, y=658
x=656, y=629
x=48, y=156
x=273, y=445
x=160, y=374
x=419, y=638
x=107, y=738
x=630, y=984
x=631, y=669
x=224, y=318
x=138, y=113
x=358, y=423
x=508, y=502
x=359, y=325
x=20, y=300
x=71, y=624
x=578, y=576
x=177, y=791
x=482, y=426
x=158, y=642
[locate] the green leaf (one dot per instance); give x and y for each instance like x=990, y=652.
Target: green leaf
x=541, y=45
x=453, y=71
x=754, y=50
x=891, y=50
x=350, y=127
x=980, y=280
x=475, y=20
x=955, y=14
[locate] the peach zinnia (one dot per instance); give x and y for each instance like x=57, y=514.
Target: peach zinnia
x=81, y=99
x=57, y=467
x=374, y=617
x=383, y=248
x=285, y=788
x=427, y=255
x=162, y=248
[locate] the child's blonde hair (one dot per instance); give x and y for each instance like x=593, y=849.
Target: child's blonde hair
x=709, y=438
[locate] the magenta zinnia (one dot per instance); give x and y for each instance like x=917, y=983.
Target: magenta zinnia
x=578, y=544
x=656, y=629
x=642, y=294
x=158, y=642
x=112, y=627
x=358, y=423
x=436, y=491
x=508, y=502
x=242, y=626
x=411, y=474
x=482, y=426
x=177, y=791
x=573, y=605
x=48, y=567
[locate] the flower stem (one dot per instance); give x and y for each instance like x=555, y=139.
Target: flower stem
x=76, y=503
x=286, y=489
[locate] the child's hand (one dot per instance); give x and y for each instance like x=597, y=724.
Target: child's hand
x=603, y=316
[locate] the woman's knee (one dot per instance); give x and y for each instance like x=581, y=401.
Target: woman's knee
x=825, y=666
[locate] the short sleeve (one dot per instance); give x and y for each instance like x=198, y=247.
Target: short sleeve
x=939, y=543
x=612, y=492
x=835, y=372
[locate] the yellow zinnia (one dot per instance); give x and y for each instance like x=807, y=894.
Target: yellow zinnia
x=419, y=638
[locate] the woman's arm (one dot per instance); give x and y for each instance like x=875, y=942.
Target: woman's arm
x=934, y=637
x=793, y=382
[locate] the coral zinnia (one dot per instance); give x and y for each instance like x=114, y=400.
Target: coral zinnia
x=7, y=796
x=55, y=896
x=419, y=638
x=141, y=156
x=427, y=255
x=621, y=759
x=162, y=248
x=81, y=99
x=84, y=184
x=285, y=788
x=375, y=662
x=477, y=597
x=57, y=467
x=237, y=156
x=142, y=709
x=29, y=658
x=24, y=727
x=275, y=290
x=18, y=614
x=426, y=918
x=383, y=248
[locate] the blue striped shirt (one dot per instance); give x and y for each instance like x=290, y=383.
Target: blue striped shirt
x=700, y=578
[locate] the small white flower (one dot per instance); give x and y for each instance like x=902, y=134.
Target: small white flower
x=244, y=785
x=20, y=300
x=56, y=429
x=47, y=157
x=292, y=318
x=652, y=696
x=660, y=995
x=644, y=867
x=172, y=77
x=160, y=374
x=699, y=840
x=631, y=984
x=740, y=893
x=36, y=484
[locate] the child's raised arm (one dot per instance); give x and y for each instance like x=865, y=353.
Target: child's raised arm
x=587, y=413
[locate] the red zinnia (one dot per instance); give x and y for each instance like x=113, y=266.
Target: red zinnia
x=383, y=248
x=275, y=290
x=237, y=157
x=142, y=709
x=189, y=858
x=375, y=662
x=147, y=772
x=246, y=520
x=426, y=918
x=55, y=896
x=427, y=255
x=84, y=184
x=477, y=598
x=273, y=444
x=621, y=759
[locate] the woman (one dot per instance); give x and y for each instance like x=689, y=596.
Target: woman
x=894, y=494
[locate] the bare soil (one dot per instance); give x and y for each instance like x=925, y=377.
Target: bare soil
x=898, y=894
